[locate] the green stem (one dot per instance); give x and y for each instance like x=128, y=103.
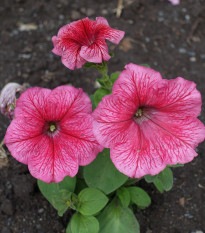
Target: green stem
x=104, y=81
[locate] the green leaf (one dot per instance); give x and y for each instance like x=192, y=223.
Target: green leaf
x=102, y=174
x=93, y=102
x=83, y=224
x=139, y=197
x=124, y=196
x=145, y=65
x=114, y=77
x=91, y=201
x=164, y=180
x=55, y=193
x=118, y=219
x=176, y=165
x=111, y=54
x=49, y=189
x=149, y=178
x=159, y=185
x=99, y=95
x=68, y=228
x=62, y=201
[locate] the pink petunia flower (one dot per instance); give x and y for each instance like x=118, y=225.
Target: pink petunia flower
x=52, y=132
x=84, y=40
x=175, y=2
x=149, y=122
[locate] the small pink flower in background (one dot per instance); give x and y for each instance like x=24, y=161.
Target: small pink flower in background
x=8, y=98
x=149, y=122
x=84, y=41
x=52, y=132
x=175, y=2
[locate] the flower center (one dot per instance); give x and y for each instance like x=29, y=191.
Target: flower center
x=52, y=127
x=138, y=113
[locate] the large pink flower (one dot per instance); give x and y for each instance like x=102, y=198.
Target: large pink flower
x=84, y=40
x=52, y=132
x=149, y=122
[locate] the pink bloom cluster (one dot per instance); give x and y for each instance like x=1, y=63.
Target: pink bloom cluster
x=52, y=132
x=149, y=122
x=84, y=41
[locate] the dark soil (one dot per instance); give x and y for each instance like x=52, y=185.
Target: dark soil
x=168, y=38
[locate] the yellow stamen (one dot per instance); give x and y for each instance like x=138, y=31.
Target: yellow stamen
x=52, y=128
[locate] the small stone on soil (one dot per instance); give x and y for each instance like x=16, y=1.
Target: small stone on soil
x=192, y=59
x=188, y=215
x=182, y=201
x=75, y=15
x=40, y=211
x=182, y=50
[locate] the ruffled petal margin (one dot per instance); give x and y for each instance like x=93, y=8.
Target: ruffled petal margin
x=158, y=144
x=97, y=52
x=113, y=120
x=52, y=159
x=137, y=84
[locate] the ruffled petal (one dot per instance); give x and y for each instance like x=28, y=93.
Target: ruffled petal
x=66, y=100
x=46, y=105
x=103, y=31
x=51, y=159
x=188, y=129
x=81, y=31
x=137, y=84
x=59, y=47
x=71, y=56
x=79, y=132
x=133, y=162
x=64, y=40
x=102, y=20
x=97, y=52
x=31, y=104
x=113, y=120
x=178, y=96
x=21, y=136
x=158, y=144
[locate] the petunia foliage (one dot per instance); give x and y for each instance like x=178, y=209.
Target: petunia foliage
x=93, y=154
